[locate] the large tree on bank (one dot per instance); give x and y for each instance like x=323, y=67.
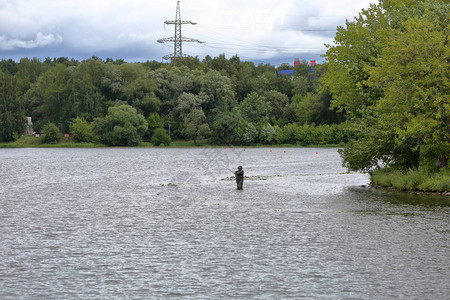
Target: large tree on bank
x=388, y=70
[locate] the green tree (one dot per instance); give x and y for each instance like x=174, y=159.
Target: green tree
x=242, y=81
x=226, y=67
x=52, y=135
x=289, y=113
x=254, y=108
x=82, y=131
x=123, y=126
x=315, y=108
x=301, y=85
x=307, y=108
x=48, y=98
x=160, y=137
x=219, y=91
x=189, y=62
x=277, y=102
x=195, y=126
x=414, y=74
x=264, y=82
x=12, y=113
x=355, y=47
x=389, y=71
x=187, y=102
x=86, y=98
x=267, y=134
x=28, y=72
x=139, y=89
x=225, y=126
x=111, y=81
x=8, y=67
x=171, y=83
x=154, y=121
x=250, y=134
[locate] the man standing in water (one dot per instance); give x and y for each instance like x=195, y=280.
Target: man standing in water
x=239, y=177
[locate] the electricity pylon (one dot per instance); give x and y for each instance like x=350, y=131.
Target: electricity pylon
x=177, y=39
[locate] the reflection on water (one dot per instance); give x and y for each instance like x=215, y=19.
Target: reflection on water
x=161, y=223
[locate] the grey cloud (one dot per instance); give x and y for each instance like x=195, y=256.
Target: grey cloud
x=41, y=40
x=255, y=30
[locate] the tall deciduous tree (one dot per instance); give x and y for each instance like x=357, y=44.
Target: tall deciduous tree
x=389, y=71
x=138, y=89
x=48, y=98
x=86, y=99
x=154, y=122
x=354, y=48
x=250, y=134
x=195, y=126
x=224, y=127
x=254, y=108
x=277, y=102
x=123, y=126
x=219, y=90
x=413, y=73
x=171, y=83
x=12, y=114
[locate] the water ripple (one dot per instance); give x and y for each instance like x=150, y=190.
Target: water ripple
x=160, y=223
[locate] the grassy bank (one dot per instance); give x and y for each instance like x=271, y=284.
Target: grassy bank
x=413, y=180
x=36, y=142
x=67, y=142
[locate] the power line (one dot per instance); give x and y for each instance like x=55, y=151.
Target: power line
x=217, y=40
x=204, y=6
x=217, y=43
x=263, y=29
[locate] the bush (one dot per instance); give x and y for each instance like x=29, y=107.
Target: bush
x=161, y=137
x=154, y=121
x=122, y=126
x=315, y=135
x=126, y=135
x=413, y=180
x=287, y=134
x=82, y=131
x=438, y=182
x=51, y=134
x=267, y=134
x=250, y=134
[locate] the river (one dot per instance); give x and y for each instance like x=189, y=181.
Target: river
x=150, y=223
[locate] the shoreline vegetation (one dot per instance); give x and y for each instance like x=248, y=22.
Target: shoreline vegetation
x=412, y=181
x=68, y=142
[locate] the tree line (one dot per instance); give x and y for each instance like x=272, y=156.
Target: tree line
x=117, y=103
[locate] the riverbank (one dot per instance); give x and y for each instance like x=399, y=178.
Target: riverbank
x=414, y=181
x=36, y=142
x=68, y=142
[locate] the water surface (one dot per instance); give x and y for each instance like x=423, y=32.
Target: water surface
x=141, y=223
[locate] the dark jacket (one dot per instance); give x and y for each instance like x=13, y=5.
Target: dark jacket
x=239, y=175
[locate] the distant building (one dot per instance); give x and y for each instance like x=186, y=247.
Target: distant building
x=29, y=130
x=297, y=62
x=285, y=73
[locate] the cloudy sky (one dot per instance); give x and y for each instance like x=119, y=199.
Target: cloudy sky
x=267, y=31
